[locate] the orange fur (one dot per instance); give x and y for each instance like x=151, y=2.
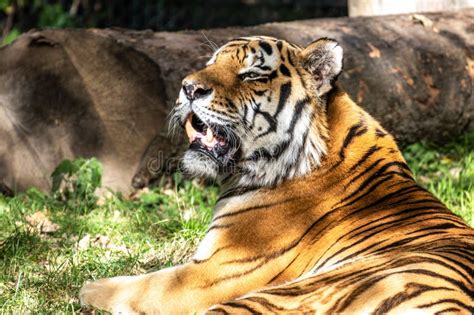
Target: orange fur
x=355, y=235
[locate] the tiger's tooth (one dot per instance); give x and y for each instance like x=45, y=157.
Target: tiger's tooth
x=189, y=130
x=209, y=135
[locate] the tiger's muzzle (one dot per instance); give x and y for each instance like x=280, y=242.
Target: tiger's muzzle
x=217, y=142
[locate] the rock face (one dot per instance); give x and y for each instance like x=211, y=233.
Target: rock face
x=107, y=93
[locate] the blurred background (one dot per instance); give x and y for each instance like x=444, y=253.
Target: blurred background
x=17, y=16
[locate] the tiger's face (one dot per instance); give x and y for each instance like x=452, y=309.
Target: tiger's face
x=255, y=115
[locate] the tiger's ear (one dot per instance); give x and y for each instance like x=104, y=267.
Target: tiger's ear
x=323, y=59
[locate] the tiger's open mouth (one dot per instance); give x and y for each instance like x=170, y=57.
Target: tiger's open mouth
x=207, y=139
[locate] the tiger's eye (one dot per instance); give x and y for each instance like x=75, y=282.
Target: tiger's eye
x=249, y=75
x=252, y=74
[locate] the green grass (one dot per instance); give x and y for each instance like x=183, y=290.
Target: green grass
x=43, y=271
x=83, y=238
x=448, y=172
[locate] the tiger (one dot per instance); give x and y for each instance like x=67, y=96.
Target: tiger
x=318, y=211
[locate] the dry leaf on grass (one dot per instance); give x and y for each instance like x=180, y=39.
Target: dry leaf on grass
x=169, y=192
x=84, y=242
x=136, y=194
x=189, y=214
x=103, y=195
x=40, y=222
x=455, y=172
x=101, y=241
x=424, y=179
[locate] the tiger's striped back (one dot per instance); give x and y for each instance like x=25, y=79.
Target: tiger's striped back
x=359, y=235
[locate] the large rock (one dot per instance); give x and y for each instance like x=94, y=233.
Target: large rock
x=107, y=93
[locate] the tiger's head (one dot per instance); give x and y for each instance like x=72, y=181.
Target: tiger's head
x=256, y=114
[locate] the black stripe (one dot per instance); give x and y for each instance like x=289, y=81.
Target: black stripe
x=237, y=41
x=260, y=207
x=448, y=310
x=363, y=250
x=294, y=45
x=361, y=289
x=218, y=310
x=222, y=112
x=284, y=70
x=379, y=173
x=432, y=213
x=386, y=225
x=266, y=259
x=284, y=269
x=398, y=244
x=367, y=154
x=441, y=226
x=285, y=91
x=242, y=306
x=292, y=63
x=345, y=301
x=432, y=260
x=450, y=267
x=397, y=193
x=396, y=300
x=200, y=261
x=279, y=45
x=466, y=268
x=258, y=154
x=350, y=276
x=397, y=214
x=231, y=104
x=272, y=75
x=245, y=48
x=355, y=131
x=265, y=303
x=297, y=113
x=376, y=184
x=366, y=170
x=271, y=120
x=280, y=252
x=263, y=153
x=237, y=54
x=246, y=110
x=219, y=226
x=452, y=301
x=301, y=148
x=399, y=183
x=456, y=251
x=400, y=192
x=262, y=80
x=264, y=67
x=233, y=276
x=237, y=191
x=266, y=47
x=379, y=133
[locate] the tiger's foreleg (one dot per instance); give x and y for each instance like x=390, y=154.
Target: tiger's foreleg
x=183, y=289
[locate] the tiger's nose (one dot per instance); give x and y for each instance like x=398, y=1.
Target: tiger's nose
x=194, y=91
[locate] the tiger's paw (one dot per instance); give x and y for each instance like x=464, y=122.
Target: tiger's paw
x=114, y=295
